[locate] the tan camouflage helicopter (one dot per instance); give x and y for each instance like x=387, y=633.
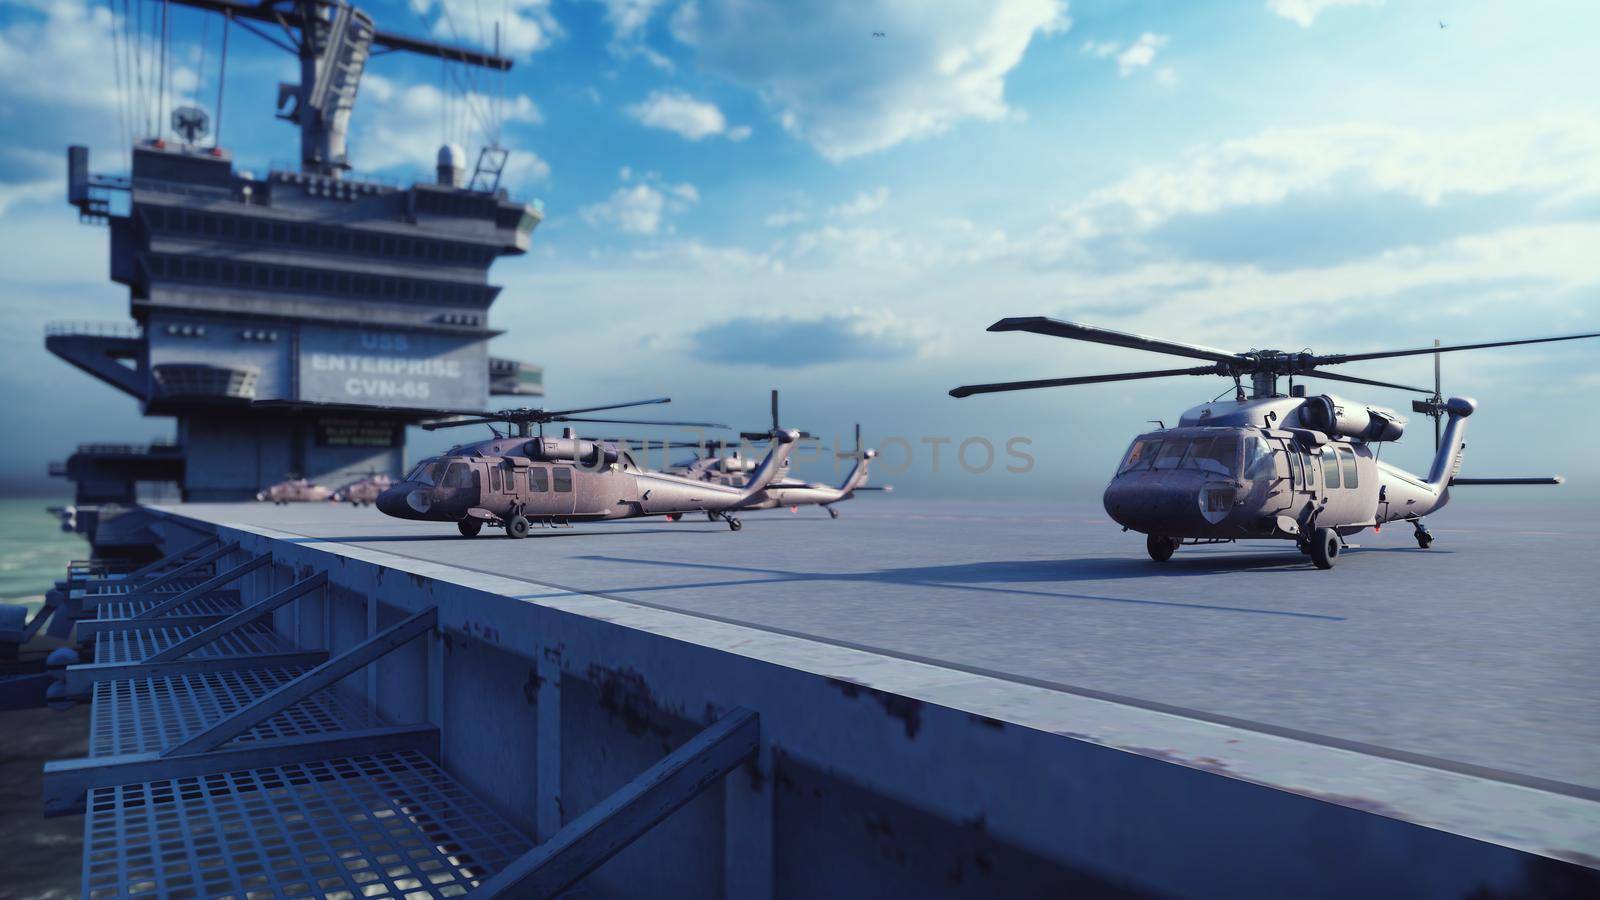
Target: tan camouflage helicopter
x=1297, y=467
x=363, y=491
x=516, y=481
x=294, y=490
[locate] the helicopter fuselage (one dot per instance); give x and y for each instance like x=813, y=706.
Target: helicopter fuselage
x=1257, y=469
x=555, y=480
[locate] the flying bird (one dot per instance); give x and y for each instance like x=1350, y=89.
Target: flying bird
x=877, y=34
x=1441, y=23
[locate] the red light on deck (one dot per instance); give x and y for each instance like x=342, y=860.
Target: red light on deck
x=794, y=509
x=216, y=151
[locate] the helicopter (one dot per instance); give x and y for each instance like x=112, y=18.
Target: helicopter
x=363, y=491
x=512, y=481
x=1298, y=467
x=731, y=470
x=294, y=490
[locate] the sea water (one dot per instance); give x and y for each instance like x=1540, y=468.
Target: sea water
x=34, y=551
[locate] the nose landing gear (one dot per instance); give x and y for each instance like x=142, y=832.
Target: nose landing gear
x=1161, y=547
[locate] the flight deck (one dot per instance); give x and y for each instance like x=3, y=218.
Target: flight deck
x=1475, y=655
x=931, y=697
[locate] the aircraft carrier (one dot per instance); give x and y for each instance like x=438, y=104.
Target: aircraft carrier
x=917, y=699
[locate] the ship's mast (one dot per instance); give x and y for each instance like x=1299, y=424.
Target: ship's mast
x=333, y=40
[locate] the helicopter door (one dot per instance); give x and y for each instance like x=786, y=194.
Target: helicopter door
x=562, y=495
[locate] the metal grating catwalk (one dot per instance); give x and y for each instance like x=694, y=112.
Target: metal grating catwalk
x=137, y=645
x=217, y=603
x=142, y=715
x=389, y=825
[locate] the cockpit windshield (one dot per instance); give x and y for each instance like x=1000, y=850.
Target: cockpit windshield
x=427, y=471
x=1212, y=454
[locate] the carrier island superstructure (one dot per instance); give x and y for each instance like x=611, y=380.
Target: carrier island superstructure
x=306, y=284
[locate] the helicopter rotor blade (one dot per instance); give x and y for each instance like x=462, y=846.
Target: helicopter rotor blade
x=639, y=422
x=458, y=423
x=774, y=409
x=1337, y=358
x=1333, y=376
x=554, y=413
x=968, y=390
x=1077, y=332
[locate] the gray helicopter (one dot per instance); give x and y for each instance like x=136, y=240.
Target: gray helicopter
x=1297, y=467
x=734, y=469
x=515, y=481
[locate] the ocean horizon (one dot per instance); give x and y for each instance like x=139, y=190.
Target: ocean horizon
x=34, y=551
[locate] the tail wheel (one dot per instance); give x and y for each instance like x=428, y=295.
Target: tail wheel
x=735, y=524
x=1325, y=547
x=516, y=527
x=833, y=513
x=1160, y=547
x=469, y=527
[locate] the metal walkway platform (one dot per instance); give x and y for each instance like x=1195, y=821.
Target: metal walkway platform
x=212, y=772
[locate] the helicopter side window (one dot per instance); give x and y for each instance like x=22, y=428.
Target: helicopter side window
x=494, y=479
x=1347, y=458
x=458, y=476
x=538, y=479
x=1330, y=468
x=510, y=476
x=1140, y=455
x=1258, y=459
x=563, y=479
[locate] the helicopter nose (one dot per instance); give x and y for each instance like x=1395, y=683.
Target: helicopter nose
x=392, y=502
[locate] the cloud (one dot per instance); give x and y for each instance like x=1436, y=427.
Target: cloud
x=1140, y=53
x=526, y=26
x=1135, y=56
x=864, y=204
x=941, y=64
x=1352, y=188
x=1305, y=12
x=640, y=207
x=684, y=115
x=783, y=341
x=396, y=126
x=783, y=218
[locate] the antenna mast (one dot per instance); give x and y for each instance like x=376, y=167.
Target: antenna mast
x=333, y=40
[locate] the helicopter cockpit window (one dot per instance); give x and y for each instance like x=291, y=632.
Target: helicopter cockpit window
x=1141, y=455
x=1172, y=451
x=1214, y=455
x=458, y=476
x=427, y=471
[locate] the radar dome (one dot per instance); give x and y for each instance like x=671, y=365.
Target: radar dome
x=452, y=165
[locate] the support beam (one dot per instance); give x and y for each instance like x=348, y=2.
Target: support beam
x=207, y=586
x=89, y=629
x=325, y=675
x=171, y=559
x=81, y=679
x=635, y=808
x=68, y=781
x=240, y=619
x=204, y=559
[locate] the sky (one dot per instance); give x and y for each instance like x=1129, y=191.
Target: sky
x=750, y=194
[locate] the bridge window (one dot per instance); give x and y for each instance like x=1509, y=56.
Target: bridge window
x=1347, y=458
x=1330, y=468
x=539, y=479
x=563, y=479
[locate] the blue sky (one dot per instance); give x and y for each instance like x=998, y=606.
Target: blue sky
x=754, y=194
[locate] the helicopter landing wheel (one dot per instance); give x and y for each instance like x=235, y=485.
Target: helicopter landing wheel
x=711, y=517
x=734, y=524
x=833, y=513
x=1325, y=547
x=469, y=527
x=1424, y=537
x=1160, y=547
x=516, y=527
